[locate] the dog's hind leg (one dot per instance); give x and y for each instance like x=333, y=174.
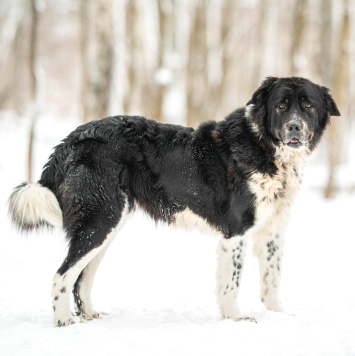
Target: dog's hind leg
x=68, y=273
x=90, y=238
x=63, y=282
x=83, y=285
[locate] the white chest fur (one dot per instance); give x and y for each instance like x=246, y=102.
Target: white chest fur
x=275, y=194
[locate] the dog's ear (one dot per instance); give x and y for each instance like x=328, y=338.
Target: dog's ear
x=329, y=102
x=262, y=92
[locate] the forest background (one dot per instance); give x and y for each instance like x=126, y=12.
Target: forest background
x=177, y=61
x=65, y=62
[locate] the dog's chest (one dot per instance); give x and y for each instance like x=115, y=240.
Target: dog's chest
x=274, y=194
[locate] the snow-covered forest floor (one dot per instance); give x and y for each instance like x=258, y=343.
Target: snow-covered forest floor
x=157, y=284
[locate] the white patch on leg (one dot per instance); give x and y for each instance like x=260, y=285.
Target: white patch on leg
x=62, y=288
x=87, y=311
x=268, y=247
x=231, y=253
x=63, y=284
x=274, y=197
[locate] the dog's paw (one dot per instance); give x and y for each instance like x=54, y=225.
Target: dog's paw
x=235, y=315
x=247, y=318
x=64, y=322
x=91, y=316
x=274, y=305
x=240, y=318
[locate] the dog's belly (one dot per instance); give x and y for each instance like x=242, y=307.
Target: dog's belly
x=187, y=220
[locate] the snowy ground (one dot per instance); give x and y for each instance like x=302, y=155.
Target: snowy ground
x=158, y=283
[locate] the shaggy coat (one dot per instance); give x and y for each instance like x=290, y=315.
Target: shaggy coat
x=238, y=177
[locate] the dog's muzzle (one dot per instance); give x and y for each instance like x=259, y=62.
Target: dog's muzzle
x=294, y=134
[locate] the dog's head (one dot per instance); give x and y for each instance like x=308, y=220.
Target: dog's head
x=292, y=112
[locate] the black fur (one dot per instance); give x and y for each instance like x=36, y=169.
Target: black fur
x=162, y=168
x=166, y=169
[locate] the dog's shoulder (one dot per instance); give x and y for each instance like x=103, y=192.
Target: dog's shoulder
x=248, y=153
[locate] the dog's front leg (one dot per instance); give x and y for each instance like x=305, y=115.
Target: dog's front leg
x=269, y=249
x=231, y=254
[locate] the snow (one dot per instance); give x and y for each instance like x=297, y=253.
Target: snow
x=157, y=283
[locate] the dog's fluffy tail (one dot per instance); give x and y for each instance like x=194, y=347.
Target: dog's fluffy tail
x=32, y=206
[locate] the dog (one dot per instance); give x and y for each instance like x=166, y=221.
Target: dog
x=238, y=177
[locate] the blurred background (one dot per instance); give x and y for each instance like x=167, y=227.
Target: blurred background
x=177, y=61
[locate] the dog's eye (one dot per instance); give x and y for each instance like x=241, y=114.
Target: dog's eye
x=282, y=106
x=308, y=105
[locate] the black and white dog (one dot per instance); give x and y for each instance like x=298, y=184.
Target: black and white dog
x=238, y=177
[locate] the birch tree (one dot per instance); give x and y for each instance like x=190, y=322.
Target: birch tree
x=163, y=58
x=340, y=85
x=32, y=59
x=97, y=57
x=15, y=26
x=196, y=88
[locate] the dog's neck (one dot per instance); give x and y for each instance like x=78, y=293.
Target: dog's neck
x=290, y=155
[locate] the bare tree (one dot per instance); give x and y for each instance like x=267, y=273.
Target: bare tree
x=231, y=36
x=340, y=84
x=203, y=58
x=299, y=32
x=33, y=86
x=196, y=91
x=166, y=49
x=86, y=90
x=14, y=41
x=97, y=57
x=135, y=64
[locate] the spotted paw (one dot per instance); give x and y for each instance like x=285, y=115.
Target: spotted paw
x=67, y=322
x=91, y=316
x=247, y=318
x=235, y=315
x=241, y=318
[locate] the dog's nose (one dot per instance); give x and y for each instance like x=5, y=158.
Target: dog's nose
x=294, y=126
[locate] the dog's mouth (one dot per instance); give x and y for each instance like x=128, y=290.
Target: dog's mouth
x=294, y=143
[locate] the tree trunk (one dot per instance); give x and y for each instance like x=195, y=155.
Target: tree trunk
x=197, y=68
x=104, y=29
x=341, y=95
x=299, y=29
x=33, y=87
x=134, y=52
x=97, y=57
x=166, y=47
x=85, y=62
